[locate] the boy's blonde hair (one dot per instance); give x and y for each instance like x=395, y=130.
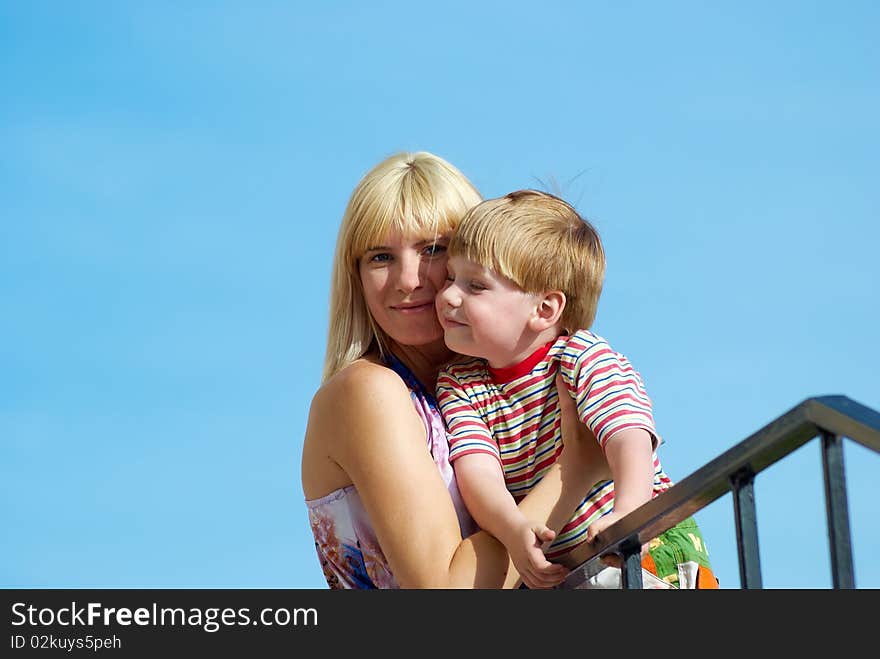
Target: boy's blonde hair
x=541, y=243
x=416, y=194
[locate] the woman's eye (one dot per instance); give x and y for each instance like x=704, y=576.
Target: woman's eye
x=381, y=257
x=433, y=250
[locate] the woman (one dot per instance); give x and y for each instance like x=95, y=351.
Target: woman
x=382, y=499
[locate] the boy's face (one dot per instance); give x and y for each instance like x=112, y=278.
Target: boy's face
x=484, y=314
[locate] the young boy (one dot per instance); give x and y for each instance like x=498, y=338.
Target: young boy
x=524, y=276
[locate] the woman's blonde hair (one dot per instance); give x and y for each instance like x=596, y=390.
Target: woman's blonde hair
x=541, y=243
x=415, y=194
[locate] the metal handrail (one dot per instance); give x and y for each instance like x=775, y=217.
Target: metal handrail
x=830, y=417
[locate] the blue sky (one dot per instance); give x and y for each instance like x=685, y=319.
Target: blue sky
x=172, y=178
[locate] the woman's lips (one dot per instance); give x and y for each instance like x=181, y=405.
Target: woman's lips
x=414, y=308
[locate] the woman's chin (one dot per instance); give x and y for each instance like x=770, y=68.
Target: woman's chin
x=428, y=338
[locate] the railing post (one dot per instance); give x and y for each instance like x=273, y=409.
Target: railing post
x=742, y=484
x=837, y=510
x=631, y=574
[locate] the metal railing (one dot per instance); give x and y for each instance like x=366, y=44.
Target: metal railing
x=830, y=418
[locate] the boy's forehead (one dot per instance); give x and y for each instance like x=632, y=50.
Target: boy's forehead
x=464, y=263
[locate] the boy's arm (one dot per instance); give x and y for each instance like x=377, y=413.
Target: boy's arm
x=476, y=458
x=609, y=392
x=481, y=483
x=478, y=472
x=630, y=458
x=612, y=401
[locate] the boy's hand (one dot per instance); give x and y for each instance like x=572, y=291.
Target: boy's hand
x=601, y=524
x=528, y=557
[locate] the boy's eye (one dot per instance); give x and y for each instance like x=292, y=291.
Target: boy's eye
x=434, y=249
x=476, y=286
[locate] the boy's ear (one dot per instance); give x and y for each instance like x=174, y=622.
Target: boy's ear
x=548, y=311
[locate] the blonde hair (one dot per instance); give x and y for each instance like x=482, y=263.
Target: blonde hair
x=415, y=194
x=541, y=243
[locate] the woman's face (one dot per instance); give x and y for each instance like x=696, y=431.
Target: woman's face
x=400, y=278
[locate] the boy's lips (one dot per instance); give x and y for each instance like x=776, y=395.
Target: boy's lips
x=449, y=322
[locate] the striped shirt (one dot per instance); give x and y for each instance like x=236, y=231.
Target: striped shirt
x=513, y=414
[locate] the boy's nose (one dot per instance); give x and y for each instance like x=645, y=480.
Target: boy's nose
x=448, y=295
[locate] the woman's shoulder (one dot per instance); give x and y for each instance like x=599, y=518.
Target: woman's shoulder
x=362, y=377
x=364, y=383
x=353, y=410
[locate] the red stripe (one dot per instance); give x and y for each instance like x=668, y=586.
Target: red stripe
x=529, y=473
x=611, y=384
x=471, y=451
x=509, y=373
x=591, y=510
x=608, y=422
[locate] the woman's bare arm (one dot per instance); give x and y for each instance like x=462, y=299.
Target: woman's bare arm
x=365, y=423
x=364, y=420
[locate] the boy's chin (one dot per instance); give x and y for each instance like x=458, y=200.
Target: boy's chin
x=461, y=350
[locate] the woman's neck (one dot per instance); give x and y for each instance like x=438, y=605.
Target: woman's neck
x=423, y=361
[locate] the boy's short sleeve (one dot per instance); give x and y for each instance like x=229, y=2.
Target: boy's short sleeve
x=609, y=392
x=467, y=432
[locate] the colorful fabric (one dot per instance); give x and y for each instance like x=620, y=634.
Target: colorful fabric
x=347, y=547
x=512, y=414
x=345, y=541
x=680, y=557
x=676, y=559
